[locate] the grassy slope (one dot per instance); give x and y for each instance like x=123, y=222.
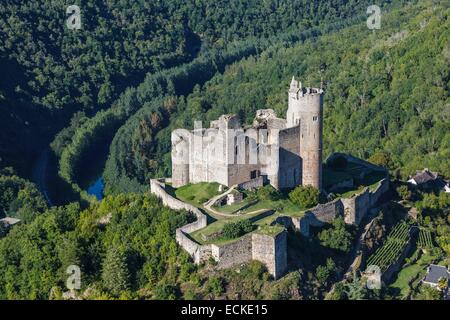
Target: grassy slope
x=406, y=275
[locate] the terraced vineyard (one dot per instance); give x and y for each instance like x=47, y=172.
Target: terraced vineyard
x=425, y=239
x=389, y=253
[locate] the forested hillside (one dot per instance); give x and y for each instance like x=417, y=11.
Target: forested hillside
x=49, y=72
x=386, y=97
x=126, y=249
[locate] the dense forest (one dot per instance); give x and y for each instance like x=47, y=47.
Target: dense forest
x=51, y=72
x=382, y=97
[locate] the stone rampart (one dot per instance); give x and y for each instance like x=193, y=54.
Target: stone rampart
x=353, y=210
x=226, y=255
x=233, y=253
x=198, y=252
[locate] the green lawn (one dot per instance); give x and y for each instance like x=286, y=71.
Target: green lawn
x=270, y=230
x=233, y=208
x=198, y=193
x=372, y=187
x=218, y=225
x=414, y=271
x=405, y=276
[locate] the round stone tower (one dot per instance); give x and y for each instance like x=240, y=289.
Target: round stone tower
x=306, y=109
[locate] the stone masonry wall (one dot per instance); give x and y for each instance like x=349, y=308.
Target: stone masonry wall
x=226, y=255
x=198, y=252
x=252, y=184
x=379, y=191
x=272, y=251
x=234, y=253
x=357, y=207
x=325, y=213
x=353, y=209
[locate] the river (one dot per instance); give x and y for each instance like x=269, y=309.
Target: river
x=96, y=188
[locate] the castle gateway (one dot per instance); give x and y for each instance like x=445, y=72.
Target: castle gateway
x=284, y=152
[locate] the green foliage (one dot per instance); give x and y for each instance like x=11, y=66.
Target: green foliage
x=268, y=192
x=232, y=230
x=356, y=290
x=382, y=159
x=215, y=285
x=64, y=137
x=339, y=292
x=434, y=205
x=427, y=292
x=337, y=236
x=34, y=256
x=3, y=230
x=305, y=196
x=115, y=274
x=404, y=192
x=287, y=288
x=166, y=291
x=20, y=198
x=325, y=273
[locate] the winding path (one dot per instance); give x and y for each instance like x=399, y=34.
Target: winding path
x=208, y=205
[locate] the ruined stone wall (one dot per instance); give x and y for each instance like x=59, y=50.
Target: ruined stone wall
x=198, y=252
x=280, y=255
x=252, y=184
x=357, y=207
x=315, y=217
x=234, y=253
x=290, y=170
x=325, y=213
x=353, y=209
x=226, y=255
x=158, y=188
x=239, y=173
x=382, y=188
x=272, y=251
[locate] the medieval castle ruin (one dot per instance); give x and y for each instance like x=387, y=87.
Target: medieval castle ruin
x=286, y=152
x=283, y=152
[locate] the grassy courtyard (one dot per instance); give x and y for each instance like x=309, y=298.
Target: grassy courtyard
x=260, y=212
x=206, y=235
x=198, y=193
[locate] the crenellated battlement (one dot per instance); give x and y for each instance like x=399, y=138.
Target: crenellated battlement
x=297, y=91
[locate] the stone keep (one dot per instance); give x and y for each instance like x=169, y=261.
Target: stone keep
x=305, y=108
x=294, y=145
